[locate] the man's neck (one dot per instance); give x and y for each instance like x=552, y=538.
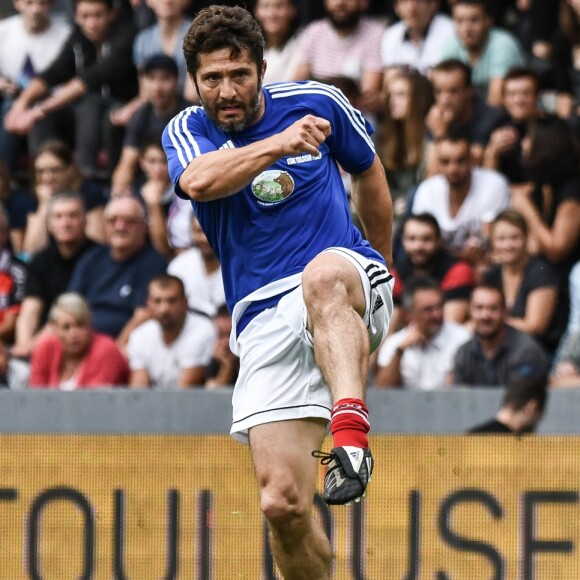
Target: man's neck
x=170, y=26
x=170, y=335
x=167, y=108
x=39, y=29
x=417, y=35
x=491, y=344
x=476, y=51
x=457, y=195
x=69, y=249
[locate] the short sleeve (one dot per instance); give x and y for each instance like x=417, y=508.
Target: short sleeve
x=184, y=139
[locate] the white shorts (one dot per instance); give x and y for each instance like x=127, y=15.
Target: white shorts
x=278, y=378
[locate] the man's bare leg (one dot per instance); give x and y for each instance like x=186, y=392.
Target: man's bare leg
x=335, y=301
x=286, y=474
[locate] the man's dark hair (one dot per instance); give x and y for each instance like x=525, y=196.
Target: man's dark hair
x=109, y=3
x=521, y=72
x=166, y=281
x=427, y=219
x=453, y=65
x=219, y=27
x=482, y=3
x=519, y=392
x=416, y=284
x=493, y=287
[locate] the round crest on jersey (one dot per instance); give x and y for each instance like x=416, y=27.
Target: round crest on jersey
x=273, y=186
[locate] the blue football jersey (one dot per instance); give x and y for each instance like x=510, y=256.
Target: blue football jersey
x=290, y=212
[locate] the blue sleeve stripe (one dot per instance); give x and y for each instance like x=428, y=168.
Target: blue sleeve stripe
x=355, y=117
x=180, y=136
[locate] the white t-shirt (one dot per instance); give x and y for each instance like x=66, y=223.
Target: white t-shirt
x=397, y=49
x=489, y=194
x=17, y=46
x=281, y=63
x=426, y=367
x=147, y=350
x=204, y=292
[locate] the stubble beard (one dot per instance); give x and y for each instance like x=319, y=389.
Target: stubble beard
x=242, y=124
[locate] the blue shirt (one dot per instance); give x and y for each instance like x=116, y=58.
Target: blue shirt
x=290, y=212
x=115, y=289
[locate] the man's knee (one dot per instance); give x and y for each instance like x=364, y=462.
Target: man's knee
x=322, y=282
x=285, y=509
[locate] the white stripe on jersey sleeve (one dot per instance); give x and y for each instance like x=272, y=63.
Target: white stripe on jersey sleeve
x=177, y=131
x=355, y=116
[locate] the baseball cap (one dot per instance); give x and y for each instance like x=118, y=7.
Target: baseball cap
x=161, y=62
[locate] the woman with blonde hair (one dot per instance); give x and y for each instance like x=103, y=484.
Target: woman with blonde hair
x=75, y=357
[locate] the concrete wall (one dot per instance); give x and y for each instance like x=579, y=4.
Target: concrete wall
x=198, y=411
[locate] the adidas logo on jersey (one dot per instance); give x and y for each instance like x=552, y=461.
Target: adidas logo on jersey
x=378, y=303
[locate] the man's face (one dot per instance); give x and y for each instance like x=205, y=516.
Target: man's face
x=472, y=25
x=94, y=19
x=67, y=221
x=35, y=14
x=487, y=312
x=416, y=14
x=125, y=226
x=455, y=162
x=160, y=88
x=167, y=304
x=451, y=93
x=520, y=98
x=428, y=311
x=168, y=9
x=229, y=89
x=420, y=242
x=344, y=14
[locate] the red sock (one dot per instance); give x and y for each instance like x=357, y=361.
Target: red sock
x=349, y=423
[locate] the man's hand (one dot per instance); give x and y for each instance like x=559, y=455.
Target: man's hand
x=152, y=191
x=304, y=136
x=20, y=120
x=413, y=337
x=438, y=121
x=503, y=139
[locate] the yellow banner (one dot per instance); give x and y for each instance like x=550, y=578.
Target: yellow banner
x=161, y=507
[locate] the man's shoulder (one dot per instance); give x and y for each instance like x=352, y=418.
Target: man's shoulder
x=454, y=332
x=486, y=177
x=500, y=39
x=147, y=333
x=199, y=324
x=185, y=260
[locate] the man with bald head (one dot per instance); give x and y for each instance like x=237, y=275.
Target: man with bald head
x=114, y=277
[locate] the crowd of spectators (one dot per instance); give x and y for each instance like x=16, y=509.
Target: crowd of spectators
x=476, y=106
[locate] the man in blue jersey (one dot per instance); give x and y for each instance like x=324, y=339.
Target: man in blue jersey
x=310, y=299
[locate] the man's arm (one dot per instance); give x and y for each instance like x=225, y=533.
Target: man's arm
x=27, y=324
x=222, y=173
x=124, y=174
x=192, y=377
x=139, y=379
x=372, y=199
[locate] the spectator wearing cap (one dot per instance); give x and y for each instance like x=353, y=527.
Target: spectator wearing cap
x=159, y=82
x=497, y=354
x=166, y=36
